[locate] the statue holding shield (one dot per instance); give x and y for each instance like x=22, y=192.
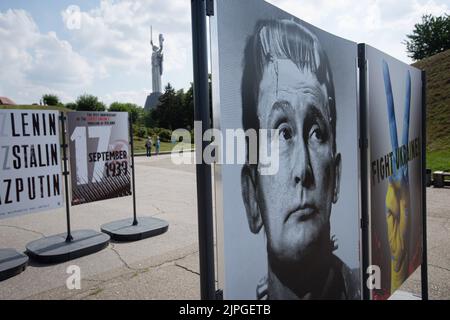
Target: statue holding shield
x=157, y=64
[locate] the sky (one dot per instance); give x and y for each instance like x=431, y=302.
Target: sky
x=102, y=47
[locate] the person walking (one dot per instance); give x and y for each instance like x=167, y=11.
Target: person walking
x=157, y=144
x=148, y=146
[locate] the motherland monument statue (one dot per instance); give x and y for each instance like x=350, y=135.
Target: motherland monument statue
x=157, y=71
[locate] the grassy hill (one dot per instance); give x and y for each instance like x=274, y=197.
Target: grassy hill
x=438, y=109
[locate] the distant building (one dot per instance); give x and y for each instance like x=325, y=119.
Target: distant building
x=4, y=101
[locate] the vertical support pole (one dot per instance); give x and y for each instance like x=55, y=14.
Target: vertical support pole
x=62, y=118
x=424, y=267
x=130, y=126
x=363, y=145
x=204, y=187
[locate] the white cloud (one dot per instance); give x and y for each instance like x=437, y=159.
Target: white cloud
x=117, y=34
x=54, y=62
x=133, y=96
x=110, y=52
x=33, y=63
x=383, y=24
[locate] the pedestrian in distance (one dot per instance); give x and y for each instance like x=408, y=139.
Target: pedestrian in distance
x=157, y=144
x=148, y=146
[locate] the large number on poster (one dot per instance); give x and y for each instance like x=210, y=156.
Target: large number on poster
x=30, y=162
x=99, y=153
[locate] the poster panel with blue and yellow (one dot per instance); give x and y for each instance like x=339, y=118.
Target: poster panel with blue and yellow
x=395, y=169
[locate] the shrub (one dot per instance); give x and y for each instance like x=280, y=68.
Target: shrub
x=134, y=110
x=71, y=105
x=165, y=135
x=142, y=132
x=50, y=99
x=89, y=102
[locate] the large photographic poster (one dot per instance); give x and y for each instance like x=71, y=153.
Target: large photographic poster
x=294, y=232
x=100, y=155
x=395, y=142
x=30, y=175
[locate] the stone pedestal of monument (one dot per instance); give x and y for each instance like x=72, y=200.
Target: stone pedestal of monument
x=152, y=101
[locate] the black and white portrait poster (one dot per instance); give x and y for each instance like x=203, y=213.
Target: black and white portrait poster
x=30, y=175
x=395, y=142
x=99, y=155
x=288, y=225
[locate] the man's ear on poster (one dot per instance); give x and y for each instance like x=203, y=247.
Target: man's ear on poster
x=250, y=197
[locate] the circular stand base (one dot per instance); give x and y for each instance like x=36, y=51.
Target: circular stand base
x=56, y=249
x=11, y=263
x=123, y=230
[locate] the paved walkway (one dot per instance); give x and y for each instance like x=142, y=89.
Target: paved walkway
x=162, y=267
x=166, y=266
x=438, y=238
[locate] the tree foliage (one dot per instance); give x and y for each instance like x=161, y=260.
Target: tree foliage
x=175, y=110
x=71, y=105
x=429, y=37
x=88, y=102
x=134, y=110
x=50, y=100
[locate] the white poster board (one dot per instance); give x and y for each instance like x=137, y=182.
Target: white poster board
x=295, y=234
x=99, y=155
x=30, y=175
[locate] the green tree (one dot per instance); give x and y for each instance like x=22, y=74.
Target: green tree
x=210, y=100
x=180, y=110
x=167, y=113
x=188, y=108
x=71, y=105
x=136, y=112
x=429, y=37
x=175, y=110
x=148, y=120
x=88, y=102
x=50, y=99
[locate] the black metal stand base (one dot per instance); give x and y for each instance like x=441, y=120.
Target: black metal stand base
x=11, y=263
x=56, y=249
x=124, y=230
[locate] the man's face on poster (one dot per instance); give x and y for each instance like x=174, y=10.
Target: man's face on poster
x=295, y=203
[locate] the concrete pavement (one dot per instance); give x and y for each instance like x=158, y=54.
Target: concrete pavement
x=438, y=238
x=162, y=267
